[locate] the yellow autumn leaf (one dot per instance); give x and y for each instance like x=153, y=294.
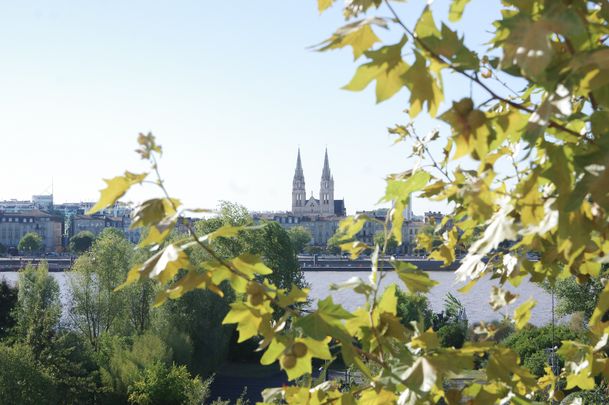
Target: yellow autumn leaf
x=522, y=314
x=115, y=189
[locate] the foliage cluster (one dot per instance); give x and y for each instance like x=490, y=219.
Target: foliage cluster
x=551, y=204
x=30, y=243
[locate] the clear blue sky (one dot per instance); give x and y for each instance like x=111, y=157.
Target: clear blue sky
x=228, y=87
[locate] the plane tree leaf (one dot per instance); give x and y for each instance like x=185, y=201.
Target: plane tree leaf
x=116, y=187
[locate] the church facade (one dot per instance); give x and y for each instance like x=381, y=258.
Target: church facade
x=324, y=206
x=321, y=216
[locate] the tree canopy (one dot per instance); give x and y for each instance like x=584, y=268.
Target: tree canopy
x=81, y=242
x=300, y=237
x=30, y=243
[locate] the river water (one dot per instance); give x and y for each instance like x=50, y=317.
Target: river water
x=475, y=302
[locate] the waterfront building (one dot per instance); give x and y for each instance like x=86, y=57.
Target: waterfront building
x=97, y=223
x=14, y=225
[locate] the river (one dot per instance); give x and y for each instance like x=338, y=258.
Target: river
x=475, y=302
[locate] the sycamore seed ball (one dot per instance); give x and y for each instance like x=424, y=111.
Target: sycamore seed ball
x=288, y=361
x=464, y=106
x=254, y=288
x=299, y=349
x=476, y=118
x=256, y=299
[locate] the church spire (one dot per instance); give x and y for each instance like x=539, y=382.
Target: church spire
x=298, y=173
x=325, y=174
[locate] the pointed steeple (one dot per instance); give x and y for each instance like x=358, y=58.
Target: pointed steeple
x=325, y=174
x=298, y=173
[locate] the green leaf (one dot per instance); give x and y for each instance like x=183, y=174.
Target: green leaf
x=522, y=314
x=500, y=298
x=386, y=67
x=247, y=265
x=424, y=89
x=192, y=280
x=163, y=266
x=422, y=375
x=248, y=320
x=350, y=226
x=327, y=320
x=415, y=279
x=499, y=228
x=579, y=361
x=602, y=306
x=158, y=233
x=389, y=300
x=273, y=352
x=323, y=5
x=529, y=46
x=293, y=296
x=315, y=348
x=358, y=35
x=153, y=211
x=456, y=9
x=116, y=188
x=398, y=191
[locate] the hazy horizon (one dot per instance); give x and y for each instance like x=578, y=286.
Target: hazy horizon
x=230, y=91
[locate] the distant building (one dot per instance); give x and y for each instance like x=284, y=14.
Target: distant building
x=322, y=216
x=433, y=217
x=16, y=206
x=97, y=223
x=14, y=225
x=326, y=205
x=43, y=202
x=410, y=228
x=321, y=228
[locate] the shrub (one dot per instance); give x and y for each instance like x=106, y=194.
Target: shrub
x=531, y=343
x=123, y=362
x=8, y=301
x=160, y=384
x=413, y=307
x=453, y=334
x=81, y=242
x=21, y=381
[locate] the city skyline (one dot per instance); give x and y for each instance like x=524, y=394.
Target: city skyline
x=82, y=82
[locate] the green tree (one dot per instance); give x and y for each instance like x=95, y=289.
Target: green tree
x=70, y=363
x=199, y=316
x=8, y=302
x=392, y=244
x=121, y=362
x=573, y=296
x=38, y=308
x=93, y=307
x=413, y=308
x=22, y=382
x=273, y=244
x=30, y=243
x=333, y=245
x=81, y=242
x=300, y=237
x=532, y=343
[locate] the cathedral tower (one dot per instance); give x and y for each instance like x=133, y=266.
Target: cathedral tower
x=299, y=196
x=326, y=189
